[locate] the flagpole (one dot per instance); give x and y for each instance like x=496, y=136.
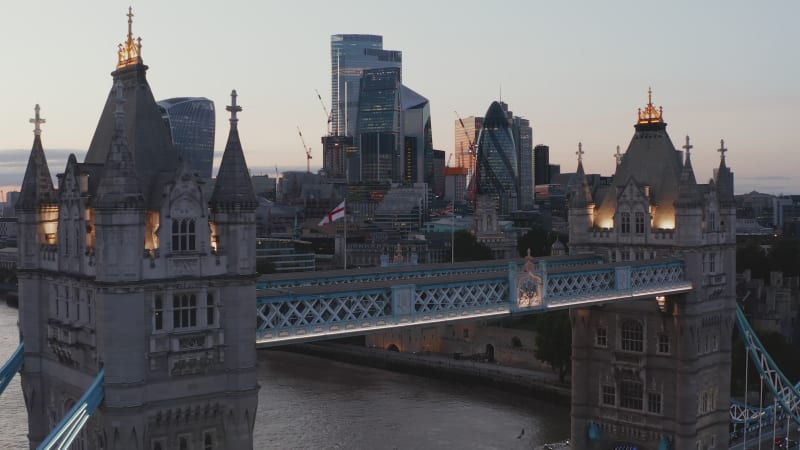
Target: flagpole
x=453, y=233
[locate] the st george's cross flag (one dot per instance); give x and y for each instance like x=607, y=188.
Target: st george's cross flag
x=336, y=214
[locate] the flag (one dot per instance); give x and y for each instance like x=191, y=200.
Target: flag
x=335, y=214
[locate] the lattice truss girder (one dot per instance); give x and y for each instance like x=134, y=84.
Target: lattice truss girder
x=449, y=298
x=324, y=310
x=654, y=276
x=579, y=284
x=787, y=395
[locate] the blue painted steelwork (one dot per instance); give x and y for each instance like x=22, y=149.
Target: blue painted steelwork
x=67, y=430
x=12, y=366
x=785, y=393
x=305, y=308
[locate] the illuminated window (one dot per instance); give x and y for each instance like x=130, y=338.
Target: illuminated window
x=184, y=311
x=609, y=394
x=639, y=222
x=630, y=395
x=183, y=235
x=625, y=222
x=632, y=336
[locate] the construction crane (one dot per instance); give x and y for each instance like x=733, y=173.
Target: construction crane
x=473, y=163
x=327, y=114
x=449, y=160
x=306, y=149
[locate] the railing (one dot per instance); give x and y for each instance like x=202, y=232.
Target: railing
x=12, y=366
x=67, y=430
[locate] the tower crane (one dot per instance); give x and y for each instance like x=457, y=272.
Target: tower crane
x=307, y=149
x=327, y=114
x=473, y=163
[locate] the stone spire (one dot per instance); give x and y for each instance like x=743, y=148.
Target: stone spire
x=582, y=195
x=687, y=186
x=37, y=185
x=119, y=187
x=233, y=187
x=723, y=177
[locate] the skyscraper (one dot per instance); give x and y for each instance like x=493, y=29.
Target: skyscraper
x=418, y=144
x=191, y=123
x=466, y=141
x=379, y=128
x=351, y=54
x=496, y=168
x=541, y=164
x=523, y=141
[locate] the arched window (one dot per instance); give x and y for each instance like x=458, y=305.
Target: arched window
x=184, y=443
x=183, y=235
x=625, y=222
x=632, y=336
x=208, y=441
x=639, y=224
x=210, y=311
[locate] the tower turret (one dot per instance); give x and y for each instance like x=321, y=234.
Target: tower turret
x=689, y=204
x=233, y=203
x=581, y=205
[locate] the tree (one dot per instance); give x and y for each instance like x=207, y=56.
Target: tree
x=785, y=256
x=467, y=248
x=264, y=266
x=751, y=256
x=554, y=341
x=538, y=240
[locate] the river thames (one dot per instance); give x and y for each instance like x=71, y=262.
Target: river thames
x=312, y=403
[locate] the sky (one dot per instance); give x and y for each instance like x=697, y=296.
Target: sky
x=577, y=70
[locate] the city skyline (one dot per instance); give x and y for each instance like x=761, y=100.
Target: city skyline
x=578, y=73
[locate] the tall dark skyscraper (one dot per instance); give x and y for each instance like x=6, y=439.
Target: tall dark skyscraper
x=523, y=141
x=541, y=164
x=191, y=123
x=497, y=171
x=351, y=55
x=418, y=157
x=379, y=129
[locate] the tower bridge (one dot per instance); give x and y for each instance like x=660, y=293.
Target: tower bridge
x=138, y=291
x=302, y=308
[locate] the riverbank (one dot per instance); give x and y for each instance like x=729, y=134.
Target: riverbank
x=540, y=384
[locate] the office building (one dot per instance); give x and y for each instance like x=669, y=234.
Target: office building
x=496, y=167
x=334, y=155
x=541, y=165
x=351, y=55
x=418, y=164
x=191, y=124
x=466, y=141
x=522, y=133
x=379, y=130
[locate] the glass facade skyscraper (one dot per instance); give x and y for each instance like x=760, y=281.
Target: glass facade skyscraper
x=379, y=125
x=191, y=124
x=497, y=171
x=541, y=164
x=351, y=55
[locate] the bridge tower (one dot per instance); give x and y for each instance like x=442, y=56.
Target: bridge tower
x=656, y=374
x=129, y=266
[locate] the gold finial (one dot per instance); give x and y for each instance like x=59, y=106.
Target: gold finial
x=36, y=121
x=650, y=113
x=130, y=52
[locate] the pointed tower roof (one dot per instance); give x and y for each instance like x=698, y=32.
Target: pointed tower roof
x=687, y=189
x=651, y=160
x=148, y=138
x=723, y=176
x=233, y=186
x=37, y=185
x=119, y=186
x=582, y=196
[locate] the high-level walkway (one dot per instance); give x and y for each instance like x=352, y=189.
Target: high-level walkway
x=311, y=306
